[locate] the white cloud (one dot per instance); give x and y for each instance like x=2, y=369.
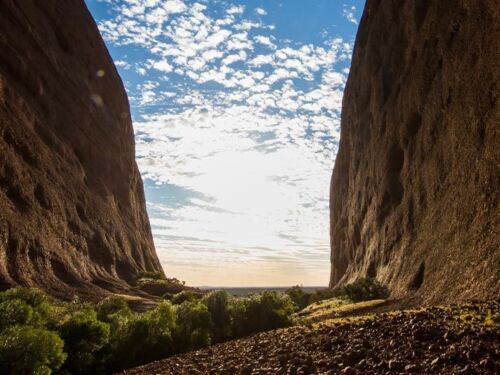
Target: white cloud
x=261, y=60
x=173, y=6
x=265, y=40
x=162, y=66
x=236, y=112
x=260, y=11
x=122, y=64
x=229, y=59
x=217, y=38
x=212, y=54
x=236, y=9
x=348, y=13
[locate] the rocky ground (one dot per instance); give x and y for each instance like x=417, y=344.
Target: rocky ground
x=455, y=339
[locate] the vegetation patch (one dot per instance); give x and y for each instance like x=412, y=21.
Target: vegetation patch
x=336, y=310
x=156, y=284
x=364, y=289
x=39, y=335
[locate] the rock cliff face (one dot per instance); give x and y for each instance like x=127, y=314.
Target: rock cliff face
x=72, y=209
x=415, y=188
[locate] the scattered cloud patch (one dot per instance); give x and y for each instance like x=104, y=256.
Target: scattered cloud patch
x=260, y=11
x=348, y=13
x=236, y=134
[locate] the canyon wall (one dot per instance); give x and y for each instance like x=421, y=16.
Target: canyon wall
x=72, y=211
x=415, y=187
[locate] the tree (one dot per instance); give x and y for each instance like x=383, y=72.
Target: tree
x=218, y=305
x=29, y=350
x=298, y=296
x=194, y=325
x=84, y=335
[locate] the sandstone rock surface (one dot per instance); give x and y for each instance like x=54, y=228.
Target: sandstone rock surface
x=72, y=208
x=415, y=187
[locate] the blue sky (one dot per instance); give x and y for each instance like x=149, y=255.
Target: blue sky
x=236, y=112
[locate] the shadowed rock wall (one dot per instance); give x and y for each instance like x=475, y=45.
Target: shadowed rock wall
x=415, y=188
x=72, y=208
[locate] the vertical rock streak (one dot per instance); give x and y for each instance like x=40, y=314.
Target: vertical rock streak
x=414, y=190
x=72, y=208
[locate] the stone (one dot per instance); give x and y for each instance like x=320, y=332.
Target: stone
x=349, y=371
x=352, y=357
x=395, y=365
x=72, y=210
x=412, y=368
x=435, y=361
x=414, y=189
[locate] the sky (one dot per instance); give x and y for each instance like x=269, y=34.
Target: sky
x=236, y=112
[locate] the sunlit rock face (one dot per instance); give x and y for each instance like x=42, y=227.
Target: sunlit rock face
x=414, y=191
x=72, y=209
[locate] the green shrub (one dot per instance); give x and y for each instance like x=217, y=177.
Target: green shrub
x=365, y=289
x=14, y=312
x=111, y=307
x=261, y=312
x=298, y=297
x=36, y=332
x=127, y=342
x=194, y=325
x=238, y=311
x=84, y=335
x=322, y=294
x=143, y=338
x=168, y=296
x=218, y=306
x=33, y=297
x=162, y=320
x=275, y=310
x=28, y=350
x=199, y=338
x=185, y=295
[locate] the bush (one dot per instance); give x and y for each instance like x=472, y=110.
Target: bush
x=275, y=310
x=110, y=308
x=199, y=338
x=28, y=350
x=218, y=306
x=38, y=336
x=298, y=297
x=83, y=336
x=194, y=325
x=33, y=297
x=261, y=312
x=168, y=296
x=185, y=295
x=143, y=338
x=14, y=312
x=238, y=311
x=365, y=289
x=159, y=286
x=322, y=294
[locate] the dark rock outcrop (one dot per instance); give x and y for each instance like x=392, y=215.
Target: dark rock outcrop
x=72, y=208
x=415, y=188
